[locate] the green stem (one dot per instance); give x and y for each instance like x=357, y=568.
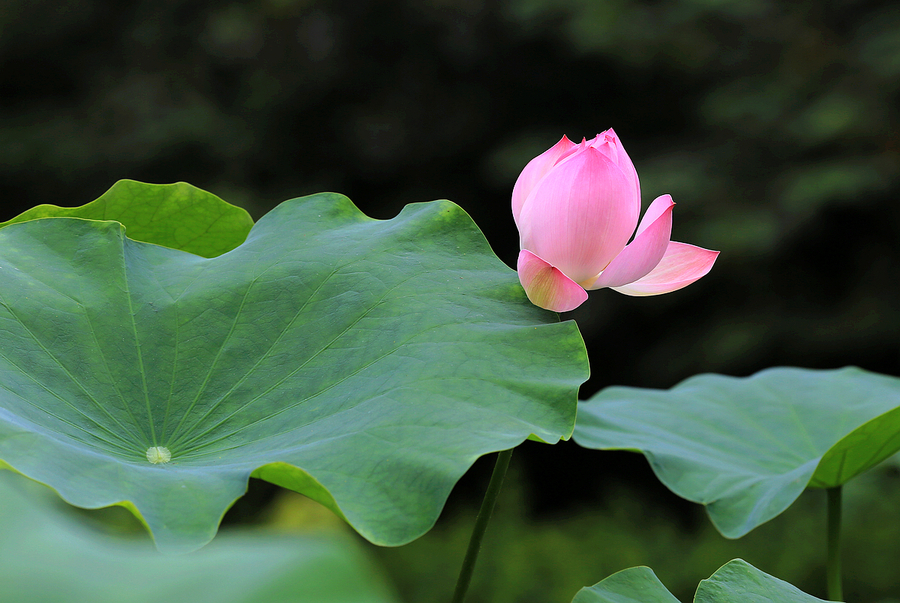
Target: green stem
x=481, y=522
x=833, y=566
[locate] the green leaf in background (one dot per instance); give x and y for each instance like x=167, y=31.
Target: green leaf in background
x=748, y=447
x=364, y=363
x=735, y=582
x=178, y=215
x=48, y=556
x=739, y=582
x=633, y=585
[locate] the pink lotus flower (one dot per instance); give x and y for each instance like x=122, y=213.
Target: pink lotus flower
x=576, y=206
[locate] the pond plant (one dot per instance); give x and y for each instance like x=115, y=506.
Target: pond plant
x=158, y=349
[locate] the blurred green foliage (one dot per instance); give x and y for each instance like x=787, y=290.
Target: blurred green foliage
x=48, y=556
x=534, y=560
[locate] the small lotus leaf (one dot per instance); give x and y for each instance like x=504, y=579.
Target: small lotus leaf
x=748, y=447
x=632, y=585
x=178, y=215
x=735, y=582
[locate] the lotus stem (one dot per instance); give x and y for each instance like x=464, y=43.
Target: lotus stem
x=481, y=522
x=833, y=565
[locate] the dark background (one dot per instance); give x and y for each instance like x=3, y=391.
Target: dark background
x=774, y=125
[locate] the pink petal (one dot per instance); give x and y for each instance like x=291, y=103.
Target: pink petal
x=646, y=250
x=681, y=265
x=580, y=215
x=546, y=286
x=659, y=206
x=536, y=169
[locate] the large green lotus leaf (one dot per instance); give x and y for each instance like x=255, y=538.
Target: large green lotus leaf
x=748, y=447
x=178, y=215
x=364, y=363
x=49, y=557
x=735, y=582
